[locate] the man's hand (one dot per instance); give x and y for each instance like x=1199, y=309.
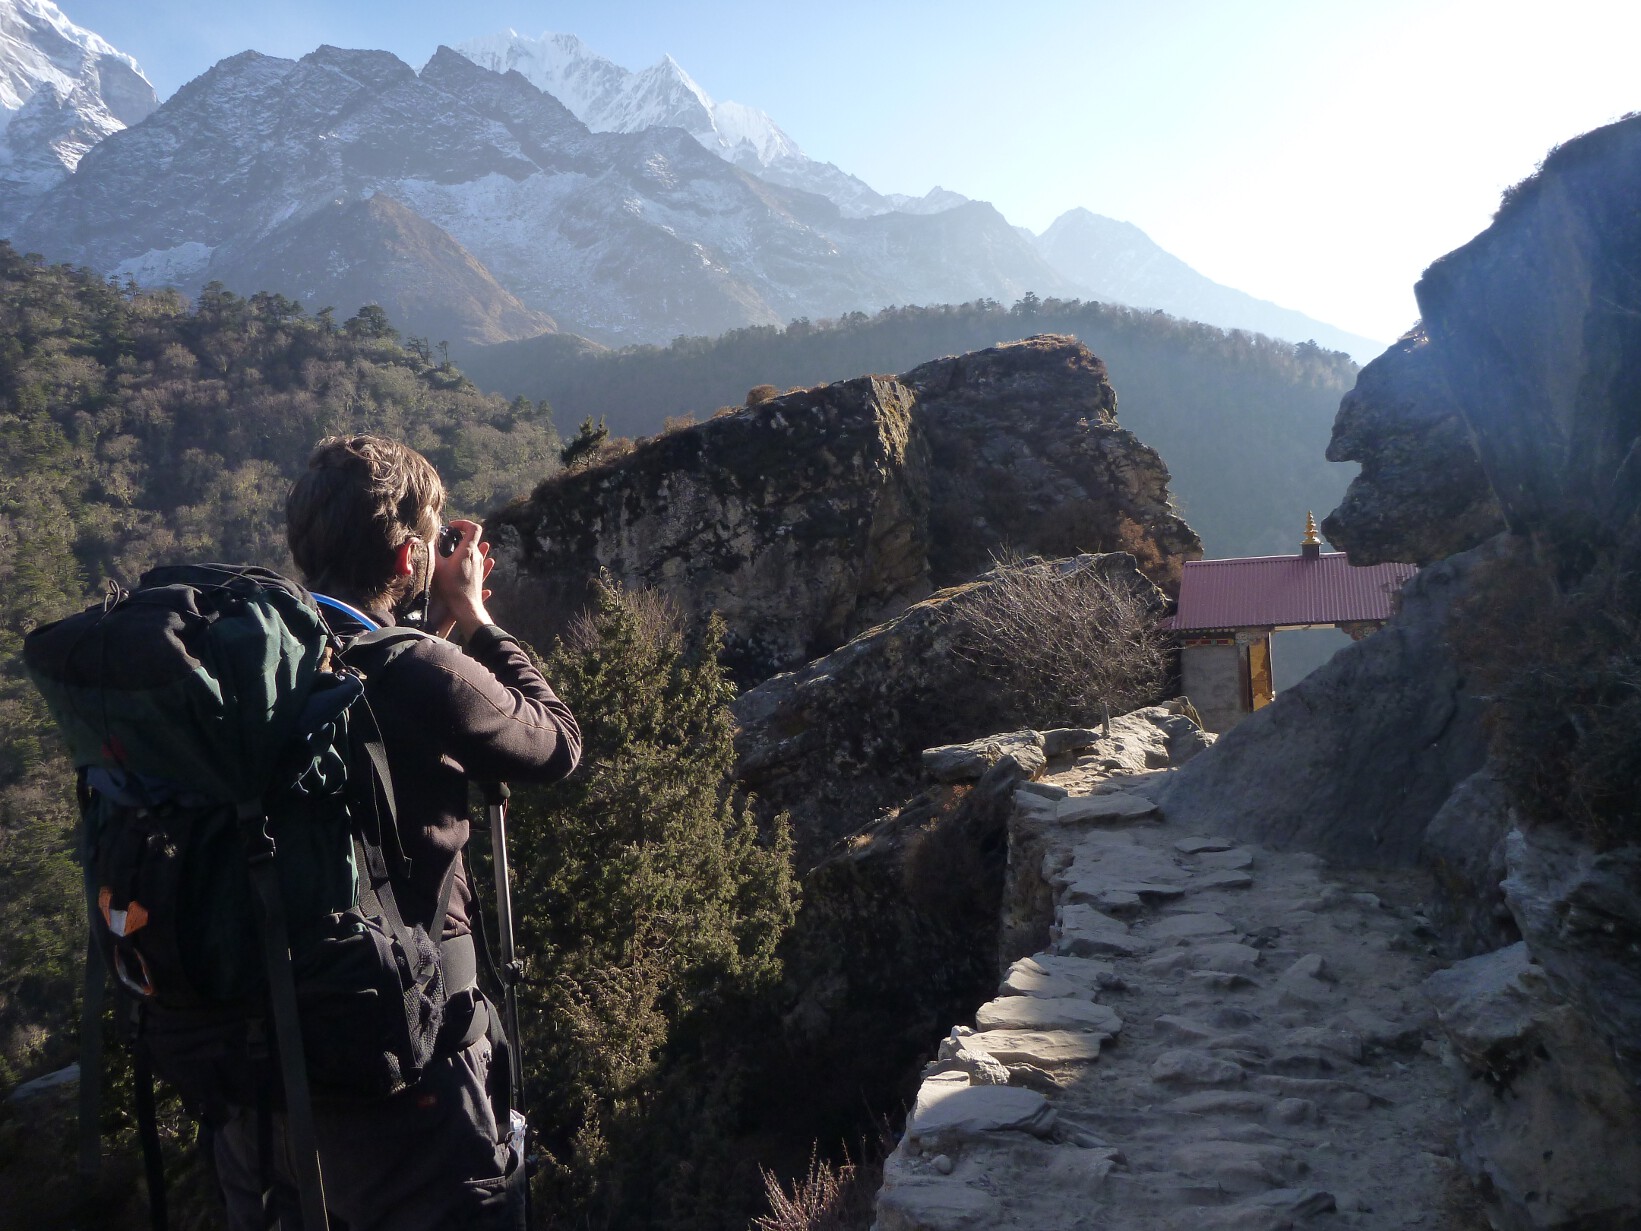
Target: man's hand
x=458, y=583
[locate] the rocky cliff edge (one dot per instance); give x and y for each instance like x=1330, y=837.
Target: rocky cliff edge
x=808, y=518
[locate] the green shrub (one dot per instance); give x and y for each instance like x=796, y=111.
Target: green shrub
x=650, y=911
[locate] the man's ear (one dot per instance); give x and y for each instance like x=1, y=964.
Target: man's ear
x=403, y=564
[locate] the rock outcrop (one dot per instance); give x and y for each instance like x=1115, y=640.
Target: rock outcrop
x=1526, y=370
x=811, y=517
x=801, y=521
x=836, y=743
x=1026, y=454
x=1534, y=331
x=1421, y=494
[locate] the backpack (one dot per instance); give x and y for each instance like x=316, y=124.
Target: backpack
x=239, y=848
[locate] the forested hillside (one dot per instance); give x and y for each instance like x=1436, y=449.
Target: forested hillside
x=1241, y=420
x=136, y=429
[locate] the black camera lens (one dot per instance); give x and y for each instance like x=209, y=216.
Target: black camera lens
x=449, y=539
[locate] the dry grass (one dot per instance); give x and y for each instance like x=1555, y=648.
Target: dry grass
x=828, y=1197
x=1060, y=645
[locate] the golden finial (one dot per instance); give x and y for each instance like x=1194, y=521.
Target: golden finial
x=1311, y=538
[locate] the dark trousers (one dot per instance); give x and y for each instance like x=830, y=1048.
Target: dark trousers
x=428, y=1159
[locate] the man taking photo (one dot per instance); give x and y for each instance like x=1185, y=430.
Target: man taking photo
x=364, y=529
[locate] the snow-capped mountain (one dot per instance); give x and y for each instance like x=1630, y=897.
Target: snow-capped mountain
x=636, y=236
x=568, y=189
x=62, y=89
x=609, y=98
x=1119, y=263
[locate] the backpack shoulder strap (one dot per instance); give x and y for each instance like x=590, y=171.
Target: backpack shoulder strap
x=374, y=650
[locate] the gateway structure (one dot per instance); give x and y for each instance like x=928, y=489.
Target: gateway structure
x=1228, y=610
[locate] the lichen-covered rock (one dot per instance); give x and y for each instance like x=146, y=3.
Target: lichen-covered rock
x=1464, y=850
x=1421, y=494
x=1548, y=1126
x=809, y=518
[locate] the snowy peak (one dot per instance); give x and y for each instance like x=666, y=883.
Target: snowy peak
x=608, y=98
x=40, y=47
x=560, y=64
x=62, y=89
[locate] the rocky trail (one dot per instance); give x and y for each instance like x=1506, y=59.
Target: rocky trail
x=1215, y=1036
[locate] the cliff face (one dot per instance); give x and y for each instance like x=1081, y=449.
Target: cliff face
x=1517, y=406
x=1519, y=400
x=1535, y=329
x=811, y=517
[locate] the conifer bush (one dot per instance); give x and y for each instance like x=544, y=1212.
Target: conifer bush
x=650, y=913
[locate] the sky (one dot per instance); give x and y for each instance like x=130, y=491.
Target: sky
x=1317, y=153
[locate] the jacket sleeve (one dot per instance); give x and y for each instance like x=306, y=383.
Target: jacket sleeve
x=488, y=709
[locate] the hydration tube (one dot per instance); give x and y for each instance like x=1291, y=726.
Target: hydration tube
x=353, y=613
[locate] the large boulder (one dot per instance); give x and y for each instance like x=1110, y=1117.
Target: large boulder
x=809, y=518
x=1355, y=760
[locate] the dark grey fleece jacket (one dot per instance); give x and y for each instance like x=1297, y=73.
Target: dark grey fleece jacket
x=450, y=716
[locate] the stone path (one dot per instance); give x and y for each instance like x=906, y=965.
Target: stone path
x=1214, y=1037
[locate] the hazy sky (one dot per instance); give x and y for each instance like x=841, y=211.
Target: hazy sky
x=1312, y=152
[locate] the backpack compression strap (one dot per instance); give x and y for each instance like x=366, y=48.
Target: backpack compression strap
x=293, y=1067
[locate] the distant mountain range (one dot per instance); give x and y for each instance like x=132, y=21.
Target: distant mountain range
x=515, y=184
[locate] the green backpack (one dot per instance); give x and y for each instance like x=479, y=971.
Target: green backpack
x=239, y=850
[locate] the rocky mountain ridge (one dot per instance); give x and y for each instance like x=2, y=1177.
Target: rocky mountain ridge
x=1116, y=262
x=640, y=235
x=592, y=239
x=608, y=98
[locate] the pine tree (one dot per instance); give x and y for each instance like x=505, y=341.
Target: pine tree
x=648, y=905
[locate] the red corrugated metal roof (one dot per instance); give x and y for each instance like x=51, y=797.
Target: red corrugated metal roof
x=1276, y=590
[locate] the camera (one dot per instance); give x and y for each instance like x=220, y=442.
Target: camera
x=449, y=539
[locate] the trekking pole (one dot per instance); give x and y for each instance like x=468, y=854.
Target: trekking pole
x=496, y=795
